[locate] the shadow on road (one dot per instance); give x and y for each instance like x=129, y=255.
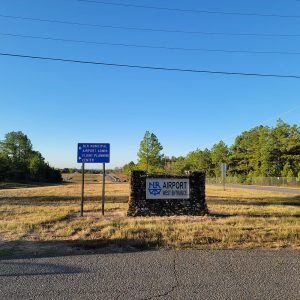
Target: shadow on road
x=8, y=268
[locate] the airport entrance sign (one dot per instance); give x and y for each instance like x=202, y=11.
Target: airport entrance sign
x=167, y=188
x=93, y=153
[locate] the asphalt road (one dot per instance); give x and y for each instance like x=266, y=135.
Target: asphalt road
x=113, y=178
x=254, y=274
x=262, y=188
x=109, y=178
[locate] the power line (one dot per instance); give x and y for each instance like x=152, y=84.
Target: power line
x=149, y=67
x=262, y=122
x=150, y=46
x=190, y=10
x=237, y=34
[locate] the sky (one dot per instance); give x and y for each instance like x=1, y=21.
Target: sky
x=61, y=104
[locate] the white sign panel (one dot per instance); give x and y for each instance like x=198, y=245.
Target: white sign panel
x=223, y=169
x=167, y=188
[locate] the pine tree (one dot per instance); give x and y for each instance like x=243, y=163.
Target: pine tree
x=150, y=157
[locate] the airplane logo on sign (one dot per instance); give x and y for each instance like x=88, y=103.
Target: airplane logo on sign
x=154, y=188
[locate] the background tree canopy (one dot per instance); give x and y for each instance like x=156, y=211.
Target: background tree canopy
x=259, y=152
x=19, y=162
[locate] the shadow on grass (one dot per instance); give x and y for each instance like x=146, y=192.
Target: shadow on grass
x=217, y=215
x=24, y=185
x=294, y=201
x=28, y=200
x=21, y=248
x=50, y=199
x=15, y=185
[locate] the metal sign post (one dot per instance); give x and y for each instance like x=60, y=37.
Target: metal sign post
x=93, y=153
x=103, y=189
x=223, y=174
x=82, y=190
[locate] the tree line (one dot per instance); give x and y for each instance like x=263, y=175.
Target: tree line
x=262, y=151
x=20, y=163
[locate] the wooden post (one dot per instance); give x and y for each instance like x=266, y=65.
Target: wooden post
x=82, y=190
x=103, y=189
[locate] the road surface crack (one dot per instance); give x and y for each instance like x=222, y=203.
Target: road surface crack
x=176, y=284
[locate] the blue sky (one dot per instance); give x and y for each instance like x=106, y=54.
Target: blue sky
x=60, y=104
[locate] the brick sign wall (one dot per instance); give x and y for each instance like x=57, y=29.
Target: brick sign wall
x=162, y=195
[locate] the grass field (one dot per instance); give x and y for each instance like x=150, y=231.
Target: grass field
x=46, y=218
x=77, y=177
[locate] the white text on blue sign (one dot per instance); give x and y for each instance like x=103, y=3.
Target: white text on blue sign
x=93, y=153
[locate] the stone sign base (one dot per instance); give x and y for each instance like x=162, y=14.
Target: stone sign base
x=140, y=206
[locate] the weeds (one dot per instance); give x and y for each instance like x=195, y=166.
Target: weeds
x=239, y=219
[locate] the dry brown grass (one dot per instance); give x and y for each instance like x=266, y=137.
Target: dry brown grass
x=77, y=177
x=239, y=219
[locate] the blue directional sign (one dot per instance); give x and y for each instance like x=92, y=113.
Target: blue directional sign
x=93, y=153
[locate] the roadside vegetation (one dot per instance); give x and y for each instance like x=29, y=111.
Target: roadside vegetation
x=238, y=219
x=31, y=214
x=20, y=163
x=259, y=152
